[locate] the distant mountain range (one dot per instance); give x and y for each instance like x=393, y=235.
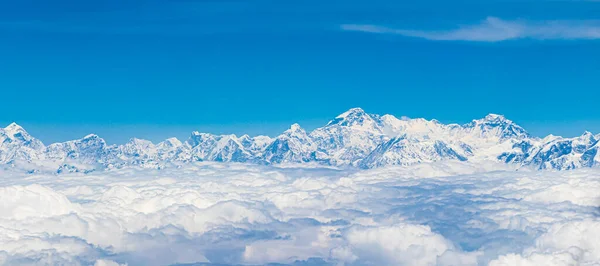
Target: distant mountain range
x=352, y=139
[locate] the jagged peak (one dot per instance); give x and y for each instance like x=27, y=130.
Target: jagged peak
x=295, y=127
x=200, y=134
x=294, y=131
x=504, y=128
x=492, y=119
x=91, y=136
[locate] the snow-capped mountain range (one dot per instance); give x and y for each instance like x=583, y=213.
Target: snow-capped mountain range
x=352, y=139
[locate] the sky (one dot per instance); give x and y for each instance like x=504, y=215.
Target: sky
x=156, y=69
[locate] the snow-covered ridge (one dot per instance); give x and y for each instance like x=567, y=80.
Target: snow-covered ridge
x=352, y=139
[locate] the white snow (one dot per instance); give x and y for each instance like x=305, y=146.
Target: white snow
x=354, y=138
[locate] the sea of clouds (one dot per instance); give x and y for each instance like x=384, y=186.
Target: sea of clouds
x=446, y=213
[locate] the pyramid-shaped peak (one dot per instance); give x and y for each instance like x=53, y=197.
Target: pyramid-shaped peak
x=357, y=111
x=13, y=128
x=494, y=117
x=16, y=132
x=587, y=137
x=13, y=125
x=357, y=118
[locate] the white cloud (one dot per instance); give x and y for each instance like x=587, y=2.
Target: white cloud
x=569, y=243
x=558, y=259
x=446, y=213
x=401, y=244
x=495, y=29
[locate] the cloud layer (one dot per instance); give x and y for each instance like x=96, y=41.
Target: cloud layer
x=495, y=29
x=447, y=213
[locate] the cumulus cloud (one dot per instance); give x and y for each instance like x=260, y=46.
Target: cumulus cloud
x=495, y=29
x=568, y=243
x=445, y=213
x=403, y=244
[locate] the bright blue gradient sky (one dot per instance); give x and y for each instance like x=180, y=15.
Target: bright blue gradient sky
x=156, y=69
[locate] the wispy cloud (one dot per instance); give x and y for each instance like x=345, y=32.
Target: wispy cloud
x=494, y=30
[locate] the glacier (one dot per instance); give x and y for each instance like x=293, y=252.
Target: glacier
x=352, y=139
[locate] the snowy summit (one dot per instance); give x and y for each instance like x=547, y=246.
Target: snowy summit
x=354, y=138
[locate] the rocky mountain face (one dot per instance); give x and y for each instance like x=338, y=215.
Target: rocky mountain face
x=352, y=139
x=556, y=152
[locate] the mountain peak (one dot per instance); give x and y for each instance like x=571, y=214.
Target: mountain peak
x=357, y=118
x=587, y=137
x=494, y=117
x=16, y=132
x=356, y=111
x=14, y=128
x=91, y=136
x=170, y=142
x=295, y=127
x=499, y=126
x=173, y=140
x=349, y=139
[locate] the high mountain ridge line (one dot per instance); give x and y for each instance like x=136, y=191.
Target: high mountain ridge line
x=352, y=139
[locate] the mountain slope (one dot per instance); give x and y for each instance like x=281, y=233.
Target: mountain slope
x=404, y=150
x=556, y=152
x=293, y=146
x=349, y=137
x=17, y=144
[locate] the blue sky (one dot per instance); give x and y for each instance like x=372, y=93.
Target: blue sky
x=156, y=69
